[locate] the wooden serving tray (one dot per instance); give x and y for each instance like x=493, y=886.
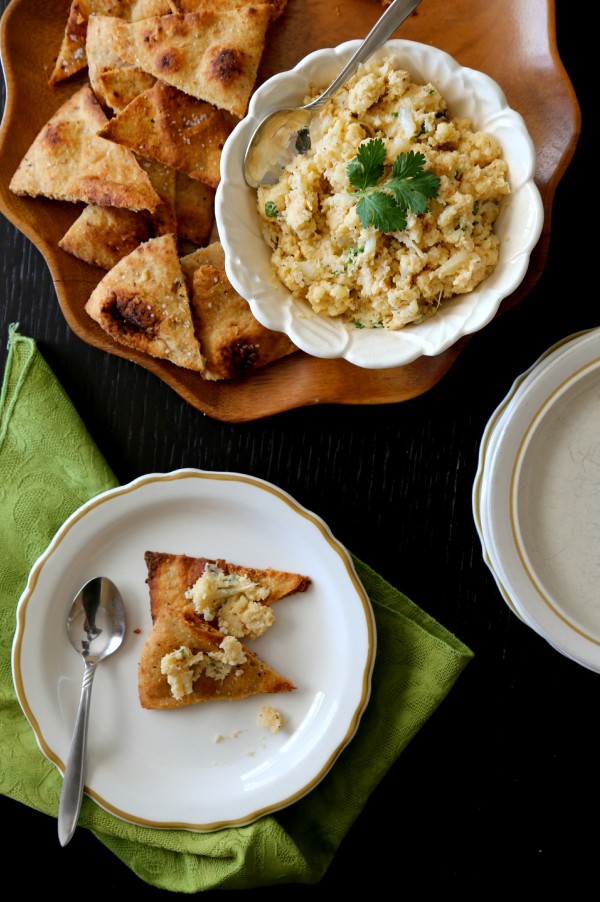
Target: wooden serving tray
x=512, y=41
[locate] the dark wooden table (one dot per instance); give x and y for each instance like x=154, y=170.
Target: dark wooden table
x=499, y=789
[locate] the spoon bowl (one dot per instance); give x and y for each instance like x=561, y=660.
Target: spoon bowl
x=95, y=628
x=285, y=132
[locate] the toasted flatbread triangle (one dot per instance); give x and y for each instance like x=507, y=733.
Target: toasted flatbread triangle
x=104, y=235
x=177, y=628
x=171, y=575
x=142, y=303
x=164, y=181
x=194, y=209
x=168, y=126
x=72, y=56
x=68, y=161
x=117, y=87
x=114, y=81
x=212, y=56
x=212, y=255
x=191, y=6
x=233, y=341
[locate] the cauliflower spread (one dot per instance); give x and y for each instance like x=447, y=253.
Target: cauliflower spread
x=366, y=276
x=182, y=667
x=234, y=601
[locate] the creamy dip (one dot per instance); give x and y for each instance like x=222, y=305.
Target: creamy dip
x=371, y=278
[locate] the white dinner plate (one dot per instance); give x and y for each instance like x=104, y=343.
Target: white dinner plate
x=208, y=765
x=492, y=431
x=518, y=400
x=538, y=499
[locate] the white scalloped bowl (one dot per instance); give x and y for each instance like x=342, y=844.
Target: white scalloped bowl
x=469, y=93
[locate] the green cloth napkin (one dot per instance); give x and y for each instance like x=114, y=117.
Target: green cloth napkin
x=49, y=466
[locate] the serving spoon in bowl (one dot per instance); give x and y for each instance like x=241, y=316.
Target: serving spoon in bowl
x=285, y=132
x=95, y=627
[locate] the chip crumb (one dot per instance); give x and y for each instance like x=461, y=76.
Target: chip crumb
x=270, y=718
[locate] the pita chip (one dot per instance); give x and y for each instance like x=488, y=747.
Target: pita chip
x=164, y=181
x=72, y=55
x=135, y=10
x=142, y=302
x=212, y=254
x=233, y=342
x=211, y=55
x=117, y=87
x=171, y=575
x=102, y=236
x=191, y=6
x=166, y=125
x=68, y=161
x=114, y=81
x=184, y=661
x=194, y=209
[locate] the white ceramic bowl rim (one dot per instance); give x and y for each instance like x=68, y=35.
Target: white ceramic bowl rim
x=469, y=93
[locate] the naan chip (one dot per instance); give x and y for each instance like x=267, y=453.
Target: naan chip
x=194, y=209
x=175, y=630
x=233, y=342
x=192, y=6
x=171, y=575
x=69, y=161
x=166, y=125
x=104, y=235
x=212, y=56
x=142, y=302
x=164, y=181
x=213, y=254
x=117, y=87
x=135, y=10
x=114, y=81
x=72, y=56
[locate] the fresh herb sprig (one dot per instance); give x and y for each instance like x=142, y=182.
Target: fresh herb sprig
x=385, y=205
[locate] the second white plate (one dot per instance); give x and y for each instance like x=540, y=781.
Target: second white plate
x=536, y=497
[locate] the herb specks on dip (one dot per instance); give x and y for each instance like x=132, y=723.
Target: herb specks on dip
x=392, y=210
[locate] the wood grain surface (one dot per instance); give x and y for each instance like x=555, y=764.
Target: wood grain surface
x=512, y=41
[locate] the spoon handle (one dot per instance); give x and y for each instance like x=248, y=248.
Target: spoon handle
x=386, y=25
x=72, y=788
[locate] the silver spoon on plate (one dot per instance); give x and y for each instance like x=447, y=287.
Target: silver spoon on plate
x=95, y=627
x=285, y=132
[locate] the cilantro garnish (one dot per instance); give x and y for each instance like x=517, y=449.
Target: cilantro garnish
x=385, y=205
x=271, y=210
